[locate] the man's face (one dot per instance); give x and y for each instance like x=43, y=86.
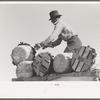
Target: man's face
x=53, y=20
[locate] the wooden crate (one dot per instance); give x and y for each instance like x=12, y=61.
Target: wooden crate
x=82, y=59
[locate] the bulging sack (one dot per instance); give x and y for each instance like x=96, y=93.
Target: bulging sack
x=25, y=69
x=21, y=53
x=62, y=63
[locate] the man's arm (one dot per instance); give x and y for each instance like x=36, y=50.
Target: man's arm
x=57, y=30
x=57, y=42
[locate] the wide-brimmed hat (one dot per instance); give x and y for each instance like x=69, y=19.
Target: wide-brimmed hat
x=54, y=14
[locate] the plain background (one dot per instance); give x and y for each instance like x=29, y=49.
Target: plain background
x=29, y=23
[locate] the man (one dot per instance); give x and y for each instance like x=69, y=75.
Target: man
x=60, y=32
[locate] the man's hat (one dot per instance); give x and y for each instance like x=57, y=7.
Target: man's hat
x=54, y=14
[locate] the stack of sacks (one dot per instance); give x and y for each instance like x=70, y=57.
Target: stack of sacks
x=62, y=63
x=23, y=56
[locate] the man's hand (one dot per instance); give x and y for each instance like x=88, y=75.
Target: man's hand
x=37, y=46
x=44, y=46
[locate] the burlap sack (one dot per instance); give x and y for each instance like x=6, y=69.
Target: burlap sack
x=22, y=53
x=62, y=63
x=25, y=69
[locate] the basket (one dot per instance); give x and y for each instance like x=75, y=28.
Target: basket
x=42, y=63
x=83, y=59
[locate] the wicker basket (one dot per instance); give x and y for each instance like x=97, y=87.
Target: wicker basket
x=41, y=64
x=83, y=59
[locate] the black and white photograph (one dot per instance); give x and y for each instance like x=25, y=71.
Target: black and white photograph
x=51, y=43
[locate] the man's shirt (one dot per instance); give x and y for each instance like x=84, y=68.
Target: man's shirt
x=61, y=32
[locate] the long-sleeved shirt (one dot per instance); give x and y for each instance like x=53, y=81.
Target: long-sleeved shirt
x=61, y=32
